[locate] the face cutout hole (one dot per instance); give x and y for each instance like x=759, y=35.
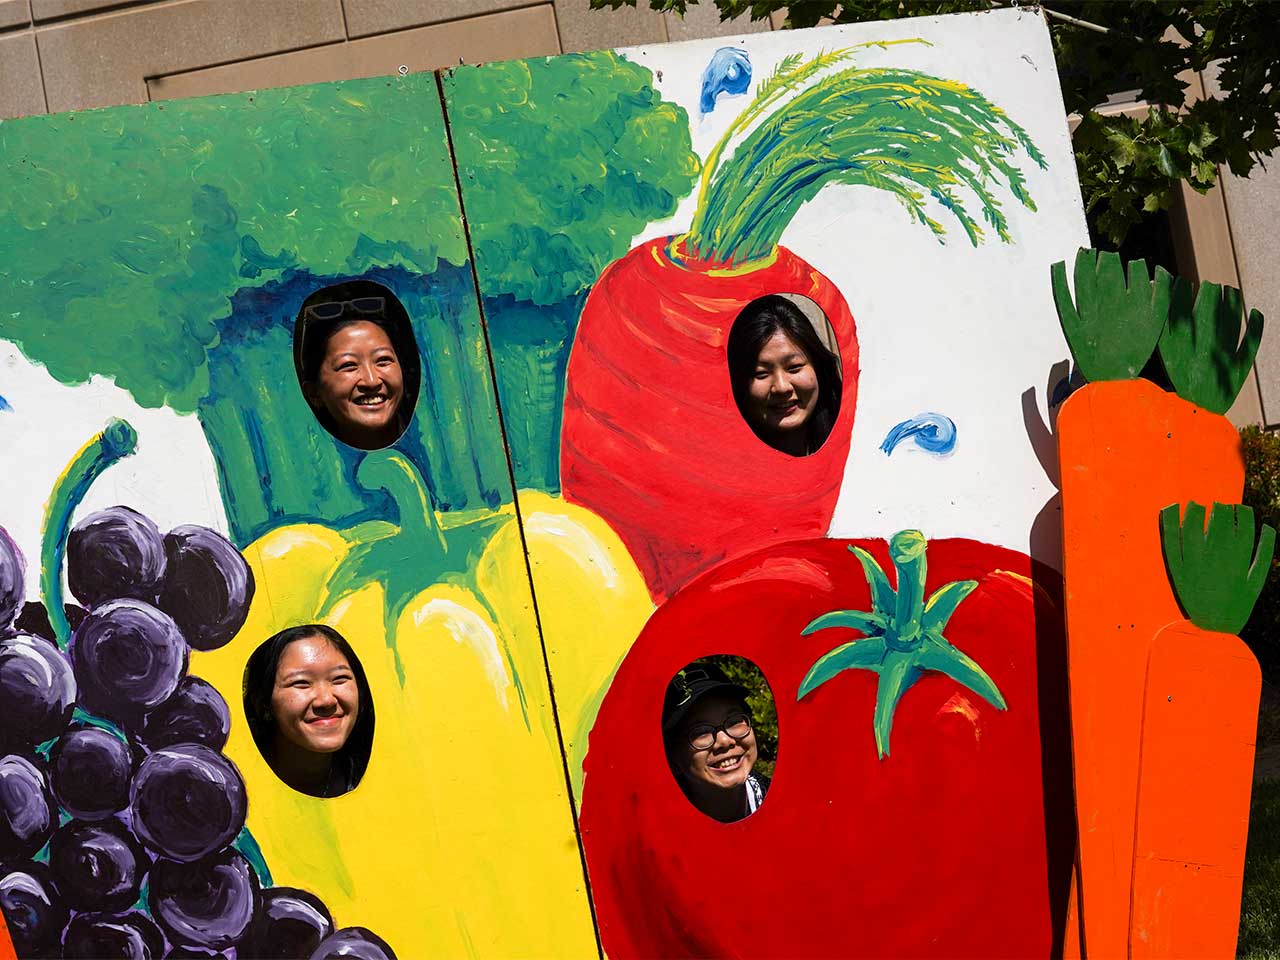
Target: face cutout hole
x=720, y=734
x=357, y=362
x=310, y=709
x=785, y=372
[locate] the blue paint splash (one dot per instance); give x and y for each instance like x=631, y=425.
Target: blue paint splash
x=4, y=404
x=728, y=72
x=932, y=432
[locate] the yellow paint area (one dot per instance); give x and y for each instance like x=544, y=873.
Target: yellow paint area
x=460, y=840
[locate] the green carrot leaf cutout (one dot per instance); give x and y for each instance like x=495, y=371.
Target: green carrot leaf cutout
x=1203, y=353
x=903, y=635
x=1216, y=573
x=1114, y=323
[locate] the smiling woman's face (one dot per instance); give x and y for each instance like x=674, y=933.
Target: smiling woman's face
x=360, y=384
x=315, y=700
x=728, y=761
x=784, y=387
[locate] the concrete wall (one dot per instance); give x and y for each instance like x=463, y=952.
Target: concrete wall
x=58, y=55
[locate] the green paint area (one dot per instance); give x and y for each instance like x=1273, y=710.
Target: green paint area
x=168, y=248
x=1215, y=570
x=927, y=141
x=562, y=162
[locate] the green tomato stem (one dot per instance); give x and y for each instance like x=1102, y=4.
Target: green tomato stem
x=117, y=441
x=907, y=550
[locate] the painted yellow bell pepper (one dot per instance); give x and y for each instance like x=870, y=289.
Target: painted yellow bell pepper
x=459, y=841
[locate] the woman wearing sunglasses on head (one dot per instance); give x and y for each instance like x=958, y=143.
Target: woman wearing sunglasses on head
x=351, y=371
x=711, y=748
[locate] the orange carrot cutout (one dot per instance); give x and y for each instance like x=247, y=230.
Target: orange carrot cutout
x=1127, y=449
x=1199, y=721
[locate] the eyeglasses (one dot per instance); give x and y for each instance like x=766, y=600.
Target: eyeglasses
x=335, y=309
x=703, y=735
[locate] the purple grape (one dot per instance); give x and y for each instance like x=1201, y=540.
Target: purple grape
x=97, y=866
x=182, y=952
x=208, y=903
x=13, y=575
x=187, y=802
x=208, y=586
x=37, y=690
x=34, y=619
x=289, y=923
x=128, y=658
x=33, y=910
x=124, y=936
x=196, y=713
x=354, y=942
x=114, y=554
x=27, y=813
x=89, y=770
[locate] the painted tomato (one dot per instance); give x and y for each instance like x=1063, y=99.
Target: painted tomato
x=652, y=439
x=939, y=825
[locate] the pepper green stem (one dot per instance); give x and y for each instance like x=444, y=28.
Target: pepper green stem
x=907, y=549
x=393, y=472
x=117, y=441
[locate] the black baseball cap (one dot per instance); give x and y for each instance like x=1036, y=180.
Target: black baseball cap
x=692, y=684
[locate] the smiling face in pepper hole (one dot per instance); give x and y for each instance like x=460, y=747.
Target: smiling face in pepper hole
x=315, y=700
x=360, y=385
x=727, y=760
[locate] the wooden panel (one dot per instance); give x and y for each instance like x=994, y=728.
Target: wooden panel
x=104, y=60
x=367, y=17
x=14, y=13
x=20, y=92
x=517, y=33
x=1198, y=729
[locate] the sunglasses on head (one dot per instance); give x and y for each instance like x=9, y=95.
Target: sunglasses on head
x=335, y=309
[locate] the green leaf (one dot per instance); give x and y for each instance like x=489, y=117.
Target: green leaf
x=943, y=604
x=896, y=678
x=883, y=596
x=941, y=656
x=1216, y=573
x=849, y=619
x=865, y=654
x=1202, y=350
x=1113, y=326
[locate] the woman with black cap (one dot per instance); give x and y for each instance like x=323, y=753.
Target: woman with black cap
x=710, y=745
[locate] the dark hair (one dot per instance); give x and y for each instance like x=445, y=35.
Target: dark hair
x=260, y=681
x=311, y=338
x=759, y=321
x=692, y=683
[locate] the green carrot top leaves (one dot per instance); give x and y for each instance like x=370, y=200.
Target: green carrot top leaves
x=903, y=635
x=1114, y=324
x=1215, y=571
x=1120, y=316
x=1203, y=353
x=915, y=136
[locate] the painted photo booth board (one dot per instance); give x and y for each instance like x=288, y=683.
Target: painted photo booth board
x=912, y=181
x=906, y=183
x=155, y=259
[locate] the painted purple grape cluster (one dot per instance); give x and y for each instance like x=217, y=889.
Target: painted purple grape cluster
x=121, y=821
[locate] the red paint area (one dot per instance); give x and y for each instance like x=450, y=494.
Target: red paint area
x=944, y=849
x=652, y=438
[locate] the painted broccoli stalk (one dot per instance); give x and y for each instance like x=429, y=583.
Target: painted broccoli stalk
x=1203, y=352
x=903, y=635
x=1215, y=571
